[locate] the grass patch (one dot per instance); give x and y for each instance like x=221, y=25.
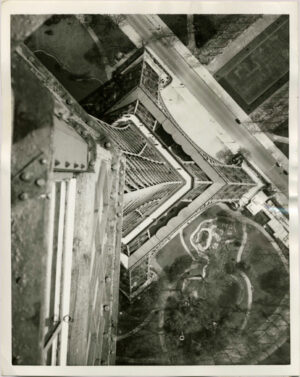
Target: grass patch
x=178, y=24
x=79, y=85
x=133, y=313
x=283, y=147
x=171, y=251
x=282, y=129
x=267, y=274
x=205, y=29
x=142, y=348
x=111, y=36
x=68, y=51
x=177, y=268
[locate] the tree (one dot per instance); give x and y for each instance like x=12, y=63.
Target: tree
x=244, y=152
x=274, y=281
x=243, y=266
x=118, y=19
x=230, y=267
x=150, y=296
x=225, y=156
x=178, y=267
x=164, y=36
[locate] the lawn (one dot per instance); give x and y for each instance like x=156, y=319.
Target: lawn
x=283, y=147
x=75, y=59
x=142, y=348
x=79, y=85
x=111, y=36
x=227, y=226
x=204, y=312
x=132, y=314
x=282, y=129
x=205, y=28
x=172, y=250
x=267, y=274
x=281, y=356
x=178, y=24
x=70, y=49
x=202, y=317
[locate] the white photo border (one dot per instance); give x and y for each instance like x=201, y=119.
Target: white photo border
x=10, y=7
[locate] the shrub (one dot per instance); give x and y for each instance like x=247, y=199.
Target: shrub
x=178, y=267
x=274, y=281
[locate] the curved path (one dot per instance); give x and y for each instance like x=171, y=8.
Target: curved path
x=185, y=245
x=245, y=276
x=246, y=220
x=242, y=247
x=65, y=68
x=161, y=321
x=210, y=235
x=250, y=297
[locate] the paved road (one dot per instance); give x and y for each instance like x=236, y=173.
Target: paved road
x=214, y=105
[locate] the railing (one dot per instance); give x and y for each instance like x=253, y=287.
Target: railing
x=59, y=267
x=211, y=160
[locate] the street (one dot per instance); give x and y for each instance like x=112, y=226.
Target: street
x=213, y=104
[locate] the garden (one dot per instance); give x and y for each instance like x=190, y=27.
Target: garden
x=207, y=297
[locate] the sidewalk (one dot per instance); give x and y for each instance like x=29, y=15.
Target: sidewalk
x=219, y=91
x=187, y=111
x=192, y=61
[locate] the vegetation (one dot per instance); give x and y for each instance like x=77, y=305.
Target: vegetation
x=205, y=29
x=274, y=282
x=178, y=24
x=199, y=316
x=283, y=147
x=178, y=267
x=131, y=313
x=168, y=254
x=280, y=356
x=225, y=156
x=92, y=55
x=140, y=349
x=197, y=326
x=111, y=36
x=267, y=274
x=243, y=266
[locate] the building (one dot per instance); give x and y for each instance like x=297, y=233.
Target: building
x=169, y=179
x=275, y=218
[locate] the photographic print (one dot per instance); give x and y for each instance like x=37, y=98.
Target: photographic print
x=150, y=188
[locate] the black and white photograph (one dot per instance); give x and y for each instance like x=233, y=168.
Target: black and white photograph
x=150, y=187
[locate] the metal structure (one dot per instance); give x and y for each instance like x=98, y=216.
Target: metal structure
x=97, y=189
x=67, y=187
x=141, y=126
